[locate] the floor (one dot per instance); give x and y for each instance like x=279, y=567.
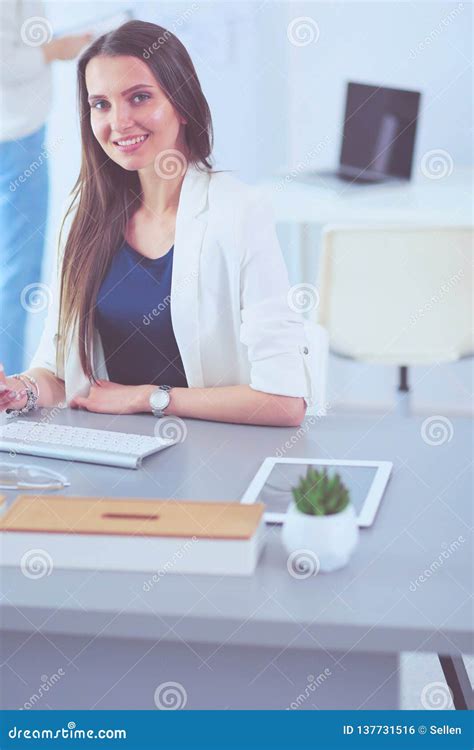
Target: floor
x=422, y=683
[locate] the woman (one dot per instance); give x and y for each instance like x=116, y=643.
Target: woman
x=172, y=290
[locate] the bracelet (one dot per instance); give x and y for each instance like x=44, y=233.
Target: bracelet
x=23, y=376
x=31, y=396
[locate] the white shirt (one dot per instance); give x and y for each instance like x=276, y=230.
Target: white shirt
x=25, y=76
x=229, y=298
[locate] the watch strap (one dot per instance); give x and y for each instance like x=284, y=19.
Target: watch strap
x=160, y=412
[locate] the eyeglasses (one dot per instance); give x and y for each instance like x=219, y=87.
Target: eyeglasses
x=29, y=477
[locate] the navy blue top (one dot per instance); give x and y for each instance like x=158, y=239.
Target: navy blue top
x=133, y=318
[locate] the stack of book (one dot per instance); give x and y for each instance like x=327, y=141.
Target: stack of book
x=222, y=538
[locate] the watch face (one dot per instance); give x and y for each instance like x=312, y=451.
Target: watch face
x=159, y=399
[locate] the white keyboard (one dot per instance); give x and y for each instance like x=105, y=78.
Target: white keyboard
x=79, y=443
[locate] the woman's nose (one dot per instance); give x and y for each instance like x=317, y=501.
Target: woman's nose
x=121, y=119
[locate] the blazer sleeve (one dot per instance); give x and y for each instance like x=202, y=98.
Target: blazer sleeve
x=271, y=329
x=45, y=355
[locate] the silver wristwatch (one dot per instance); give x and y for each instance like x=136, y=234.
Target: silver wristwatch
x=160, y=399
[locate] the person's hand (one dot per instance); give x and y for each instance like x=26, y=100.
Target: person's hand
x=65, y=47
x=12, y=392
x=112, y=398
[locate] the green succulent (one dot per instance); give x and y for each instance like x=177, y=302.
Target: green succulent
x=317, y=494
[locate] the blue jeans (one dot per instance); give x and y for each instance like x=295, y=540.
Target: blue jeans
x=23, y=215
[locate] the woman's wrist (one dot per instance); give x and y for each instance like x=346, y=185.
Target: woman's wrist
x=21, y=398
x=28, y=402
x=143, y=401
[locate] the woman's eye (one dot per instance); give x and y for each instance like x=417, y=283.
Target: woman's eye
x=139, y=98
x=98, y=104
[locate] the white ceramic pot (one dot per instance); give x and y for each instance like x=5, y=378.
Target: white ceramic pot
x=330, y=539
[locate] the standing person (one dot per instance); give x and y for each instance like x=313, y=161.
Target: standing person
x=26, y=53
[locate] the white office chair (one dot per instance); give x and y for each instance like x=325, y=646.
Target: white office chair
x=397, y=295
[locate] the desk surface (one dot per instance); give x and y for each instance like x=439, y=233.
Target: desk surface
x=446, y=201
x=378, y=603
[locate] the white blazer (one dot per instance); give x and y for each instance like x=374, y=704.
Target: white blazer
x=229, y=298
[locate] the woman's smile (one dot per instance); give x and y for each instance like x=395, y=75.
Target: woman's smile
x=128, y=108
x=131, y=142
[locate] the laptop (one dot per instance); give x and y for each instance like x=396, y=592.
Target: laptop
x=378, y=138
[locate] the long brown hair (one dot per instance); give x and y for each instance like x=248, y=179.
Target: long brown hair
x=105, y=196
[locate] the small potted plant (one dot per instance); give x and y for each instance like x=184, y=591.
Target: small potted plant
x=321, y=520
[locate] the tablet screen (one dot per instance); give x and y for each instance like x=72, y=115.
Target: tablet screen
x=276, y=492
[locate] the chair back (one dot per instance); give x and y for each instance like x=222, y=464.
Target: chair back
x=397, y=295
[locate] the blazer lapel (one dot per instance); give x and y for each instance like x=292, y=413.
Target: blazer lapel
x=191, y=223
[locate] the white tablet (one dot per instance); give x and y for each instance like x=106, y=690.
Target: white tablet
x=365, y=480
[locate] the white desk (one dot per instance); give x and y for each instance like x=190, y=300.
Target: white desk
x=251, y=643
x=423, y=201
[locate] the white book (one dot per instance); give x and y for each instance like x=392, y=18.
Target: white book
x=40, y=533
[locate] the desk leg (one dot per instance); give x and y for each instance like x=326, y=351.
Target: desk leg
x=458, y=681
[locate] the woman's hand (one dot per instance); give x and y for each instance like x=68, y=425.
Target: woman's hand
x=12, y=392
x=65, y=47
x=112, y=398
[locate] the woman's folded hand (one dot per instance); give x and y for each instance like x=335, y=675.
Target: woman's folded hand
x=113, y=398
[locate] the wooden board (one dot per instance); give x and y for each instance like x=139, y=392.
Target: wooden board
x=60, y=514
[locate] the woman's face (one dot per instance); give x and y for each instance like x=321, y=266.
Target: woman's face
x=131, y=117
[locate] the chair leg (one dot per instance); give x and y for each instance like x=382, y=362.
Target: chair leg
x=403, y=392
x=457, y=679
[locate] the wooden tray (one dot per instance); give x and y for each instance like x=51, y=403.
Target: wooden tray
x=60, y=514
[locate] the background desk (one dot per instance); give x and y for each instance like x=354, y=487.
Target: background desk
x=306, y=208
x=253, y=643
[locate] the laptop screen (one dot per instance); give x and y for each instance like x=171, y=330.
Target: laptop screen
x=379, y=130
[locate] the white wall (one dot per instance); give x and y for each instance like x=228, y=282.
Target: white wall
x=426, y=46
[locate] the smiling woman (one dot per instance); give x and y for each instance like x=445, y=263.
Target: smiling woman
x=155, y=228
